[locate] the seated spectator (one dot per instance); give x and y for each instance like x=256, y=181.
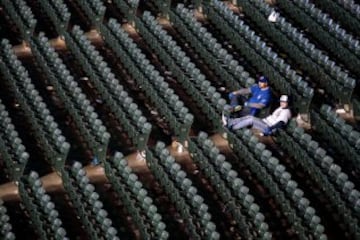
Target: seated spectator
x=268, y=125
x=260, y=98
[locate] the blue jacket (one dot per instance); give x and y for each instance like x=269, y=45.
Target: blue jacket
x=259, y=95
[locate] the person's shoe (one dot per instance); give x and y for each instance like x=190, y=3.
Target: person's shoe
x=237, y=108
x=232, y=109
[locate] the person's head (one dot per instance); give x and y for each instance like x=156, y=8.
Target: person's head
x=284, y=101
x=263, y=82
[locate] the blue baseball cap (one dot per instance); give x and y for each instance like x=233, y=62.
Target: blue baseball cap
x=263, y=79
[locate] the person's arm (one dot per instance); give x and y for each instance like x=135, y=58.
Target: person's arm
x=268, y=131
x=255, y=105
x=242, y=91
x=277, y=125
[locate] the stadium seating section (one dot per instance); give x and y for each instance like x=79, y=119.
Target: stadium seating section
x=111, y=120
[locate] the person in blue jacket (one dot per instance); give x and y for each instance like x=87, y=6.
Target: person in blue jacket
x=260, y=97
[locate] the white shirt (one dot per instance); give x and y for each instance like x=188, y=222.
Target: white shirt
x=280, y=114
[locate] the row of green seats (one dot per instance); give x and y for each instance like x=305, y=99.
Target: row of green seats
x=262, y=174
x=190, y=77
x=86, y=203
x=82, y=208
x=351, y=6
x=285, y=79
x=346, y=130
x=334, y=172
x=5, y=226
x=298, y=47
x=21, y=14
x=184, y=184
x=53, y=135
x=94, y=9
x=214, y=61
x=318, y=24
x=163, y=6
x=182, y=194
x=131, y=206
x=45, y=217
x=327, y=175
x=128, y=8
x=58, y=12
x=347, y=14
x=12, y=150
x=39, y=219
x=26, y=101
x=135, y=197
x=218, y=182
x=345, y=19
x=155, y=88
x=75, y=101
x=114, y=95
x=204, y=152
x=105, y=74
x=356, y=106
x=218, y=58
x=173, y=193
x=93, y=206
x=343, y=137
x=285, y=181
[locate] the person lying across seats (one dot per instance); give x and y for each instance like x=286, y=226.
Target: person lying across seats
x=268, y=125
x=260, y=97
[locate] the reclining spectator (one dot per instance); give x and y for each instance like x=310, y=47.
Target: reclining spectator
x=268, y=125
x=260, y=98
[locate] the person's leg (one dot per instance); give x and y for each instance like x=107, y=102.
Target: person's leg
x=242, y=122
x=226, y=114
x=234, y=100
x=244, y=112
x=259, y=124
